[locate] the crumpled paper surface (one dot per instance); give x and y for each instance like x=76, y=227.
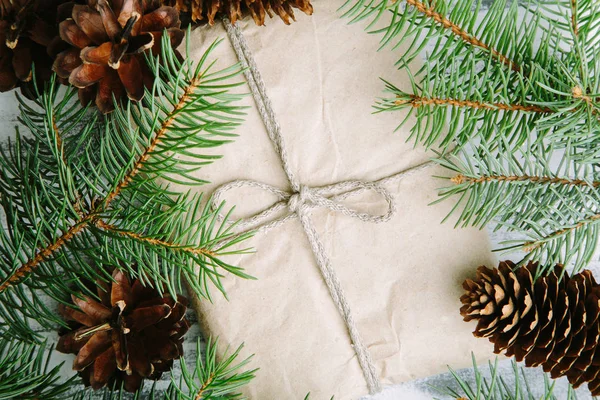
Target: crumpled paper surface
x=402, y=278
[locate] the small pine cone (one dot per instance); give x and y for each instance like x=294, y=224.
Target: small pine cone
x=200, y=10
x=107, y=39
x=132, y=333
x=27, y=29
x=552, y=321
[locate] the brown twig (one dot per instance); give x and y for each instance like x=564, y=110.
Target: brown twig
x=578, y=94
x=530, y=246
x=461, y=33
x=204, y=387
x=574, y=24
x=418, y=101
x=46, y=252
x=144, y=157
x=136, y=236
x=57, y=135
x=460, y=179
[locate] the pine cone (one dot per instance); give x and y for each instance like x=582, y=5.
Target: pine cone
x=27, y=28
x=107, y=39
x=132, y=334
x=236, y=9
x=552, y=322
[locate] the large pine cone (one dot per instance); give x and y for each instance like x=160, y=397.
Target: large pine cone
x=107, y=40
x=201, y=10
x=552, y=322
x=27, y=29
x=132, y=334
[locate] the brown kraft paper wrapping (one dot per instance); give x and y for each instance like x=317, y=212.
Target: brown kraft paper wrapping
x=402, y=278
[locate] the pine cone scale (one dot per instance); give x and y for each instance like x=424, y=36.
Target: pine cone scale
x=119, y=347
x=109, y=20
x=126, y=11
x=96, y=345
x=120, y=291
x=92, y=308
x=130, y=74
x=22, y=60
x=110, y=85
x=68, y=343
x=550, y=322
x=141, y=318
x=66, y=62
x=139, y=360
x=73, y=35
x=27, y=29
x=90, y=23
x=95, y=54
x=162, y=18
x=102, y=369
x=208, y=10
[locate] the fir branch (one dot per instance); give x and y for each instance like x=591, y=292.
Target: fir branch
x=554, y=209
x=154, y=242
x=43, y=254
x=577, y=21
x=79, y=225
x=532, y=246
x=522, y=143
x=430, y=12
x=550, y=95
x=158, y=136
x=574, y=22
x=69, y=217
x=419, y=101
x=213, y=379
x=452, y=21
x=553, y=180
x=466, y=101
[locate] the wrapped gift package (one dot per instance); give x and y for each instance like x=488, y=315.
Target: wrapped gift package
x=346, y=300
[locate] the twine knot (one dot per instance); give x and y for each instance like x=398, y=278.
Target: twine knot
x=300, y=200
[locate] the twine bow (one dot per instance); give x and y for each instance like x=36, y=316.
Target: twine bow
x=302, y=199
x=299, y=204
x=306, y=199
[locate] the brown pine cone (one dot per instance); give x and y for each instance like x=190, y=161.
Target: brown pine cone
x=27, y=28
x=107, y=40
x=552, y=321
x=132, y=334
x=235, y=9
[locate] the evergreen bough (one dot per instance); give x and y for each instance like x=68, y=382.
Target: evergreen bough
x=512, y=103
x=82, y=194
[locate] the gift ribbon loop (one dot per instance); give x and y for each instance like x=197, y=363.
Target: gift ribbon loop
x=302, y=199
x=307, y=198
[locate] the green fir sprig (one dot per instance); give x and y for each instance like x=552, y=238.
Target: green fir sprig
x=511, y=103
x=83, y=194
x=499, y=387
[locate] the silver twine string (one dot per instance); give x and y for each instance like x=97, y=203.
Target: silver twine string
x=302, y=199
